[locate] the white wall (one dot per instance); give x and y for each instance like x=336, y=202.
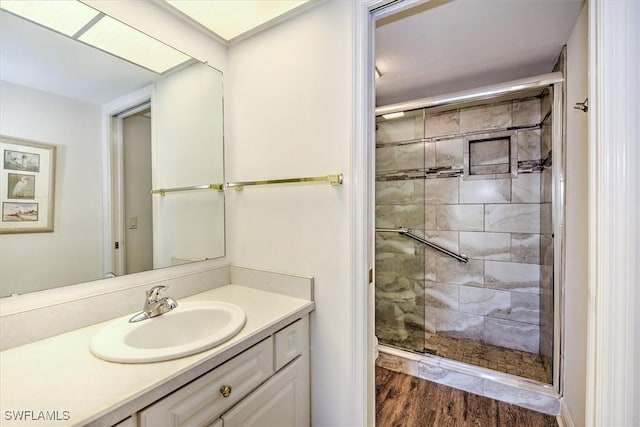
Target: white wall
x=288, y=100
x=187, y=151
x=74, y=128
x=576, y=285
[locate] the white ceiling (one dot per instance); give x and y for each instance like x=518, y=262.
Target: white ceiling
x=444, y=46
x=440, y=47
x=39, y=58
x=33, y=56
x=233, y=20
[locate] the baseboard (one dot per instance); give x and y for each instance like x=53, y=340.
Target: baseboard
x=565, y=419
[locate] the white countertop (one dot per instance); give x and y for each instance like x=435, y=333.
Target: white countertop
x=59, y=375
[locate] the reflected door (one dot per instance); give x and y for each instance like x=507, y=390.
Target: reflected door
x=138, y=225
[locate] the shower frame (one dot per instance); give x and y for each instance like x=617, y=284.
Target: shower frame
x=480, y=95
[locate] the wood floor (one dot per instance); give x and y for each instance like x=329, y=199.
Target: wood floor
x=406, y=401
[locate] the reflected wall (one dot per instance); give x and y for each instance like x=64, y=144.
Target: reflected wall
x=188, y=151
x=73, y=252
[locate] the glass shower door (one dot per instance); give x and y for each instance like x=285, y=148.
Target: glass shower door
x=400, y=261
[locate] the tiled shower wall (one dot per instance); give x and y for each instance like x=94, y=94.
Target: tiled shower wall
x=498, y=220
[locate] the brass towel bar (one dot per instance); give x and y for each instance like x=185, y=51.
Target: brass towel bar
x=335, y=179
x=163, y=191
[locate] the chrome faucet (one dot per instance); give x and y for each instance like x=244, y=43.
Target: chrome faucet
x=154, y=305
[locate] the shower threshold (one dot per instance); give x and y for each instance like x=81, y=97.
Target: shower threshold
x=486, y=382
x=501, y=359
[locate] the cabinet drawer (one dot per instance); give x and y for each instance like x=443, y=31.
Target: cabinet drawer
x=200, y=402
x=291, y=342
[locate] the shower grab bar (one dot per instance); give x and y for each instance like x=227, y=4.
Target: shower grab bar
x=407, y=232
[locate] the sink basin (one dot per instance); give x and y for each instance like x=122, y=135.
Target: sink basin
x=190, y=328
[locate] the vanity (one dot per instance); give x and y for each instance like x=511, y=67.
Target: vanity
x=258, y=377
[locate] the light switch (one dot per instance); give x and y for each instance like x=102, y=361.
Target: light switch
x=133, y=222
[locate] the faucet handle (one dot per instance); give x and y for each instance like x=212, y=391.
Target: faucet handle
x=154, y=293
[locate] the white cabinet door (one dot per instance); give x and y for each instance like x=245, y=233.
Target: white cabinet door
x=283, y=401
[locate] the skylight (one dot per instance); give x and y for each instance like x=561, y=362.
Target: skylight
x=232, y=18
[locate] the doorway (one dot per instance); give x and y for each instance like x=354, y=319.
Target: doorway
x=464, y=222
x=132, y=175
x=434, y=314
x=138, y=227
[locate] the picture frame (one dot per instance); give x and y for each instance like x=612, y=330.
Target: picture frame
x=27, y=186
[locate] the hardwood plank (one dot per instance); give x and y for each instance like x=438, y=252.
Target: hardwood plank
x=406, y=401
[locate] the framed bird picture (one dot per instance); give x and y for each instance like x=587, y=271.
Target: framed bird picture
x=27, y=185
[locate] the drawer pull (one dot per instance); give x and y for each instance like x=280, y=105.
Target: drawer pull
x=225, y=390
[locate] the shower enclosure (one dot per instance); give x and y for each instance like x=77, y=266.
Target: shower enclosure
x=468, y=201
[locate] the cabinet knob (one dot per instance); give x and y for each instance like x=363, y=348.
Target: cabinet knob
x=225, y=390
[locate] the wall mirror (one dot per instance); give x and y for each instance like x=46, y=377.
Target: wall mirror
x=120, y=130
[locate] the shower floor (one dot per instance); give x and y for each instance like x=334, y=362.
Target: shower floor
x=515, y=362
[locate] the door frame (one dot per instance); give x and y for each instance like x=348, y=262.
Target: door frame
x=113, y=196
x=119, y=192
x=363, y=348
x=613, y=337
x=611, y=373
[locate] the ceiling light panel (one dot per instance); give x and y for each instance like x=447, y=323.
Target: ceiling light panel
x=66, y=17
x=121, y=40
x=231, y=18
